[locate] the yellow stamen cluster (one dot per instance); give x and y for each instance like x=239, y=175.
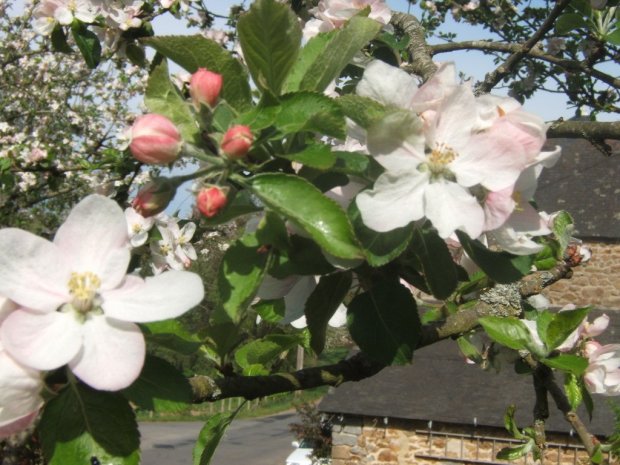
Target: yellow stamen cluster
x=83, y=287
x=438, y=160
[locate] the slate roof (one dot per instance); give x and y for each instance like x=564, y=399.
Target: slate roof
x=440, y=386
x=586, y=183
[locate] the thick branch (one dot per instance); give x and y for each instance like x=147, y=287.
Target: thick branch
x=591, y=130
x=500, y=300
x=503, y=70
x=421, y=61
x=568, y=65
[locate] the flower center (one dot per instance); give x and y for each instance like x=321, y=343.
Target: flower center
x=83, y=287
x=136, y=228
x=438, y=161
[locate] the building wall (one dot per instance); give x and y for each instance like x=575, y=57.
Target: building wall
x=369, y=441
x=595, y=283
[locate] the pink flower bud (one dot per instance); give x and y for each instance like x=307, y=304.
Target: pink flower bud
x=237, y=141
x=155, y=139
x=211, y=200
x=154, y=197
x=205, y=87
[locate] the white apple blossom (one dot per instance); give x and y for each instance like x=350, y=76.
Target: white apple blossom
x=603, y=373
x=138, y=227
x=448, y=162
x=77, y=305
x=332, y=14
x=174, y=250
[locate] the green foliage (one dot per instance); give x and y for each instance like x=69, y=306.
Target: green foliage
x=302, y=203
x=384, y=322
x=88, y=44
x=562, y=325
x=81, y=423
x=563, y=227
x=363, y=110
x=210, y=436
x=567, y=362
x=172, y=335
x=309, y=111
x=270, y=38
x=317, y=156
x=256, y=356
x=507, y=331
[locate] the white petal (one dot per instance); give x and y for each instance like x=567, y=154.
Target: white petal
x=33, y=271
x=339, y=318
x=433, y=91
x=167, y=295
x=387, y=84
x=394, y=202
x=455, y=118
x=112, y=355
x=273, y=288
x=94, y=237
x=450, y=207
x=295, y=300
x=42, y=341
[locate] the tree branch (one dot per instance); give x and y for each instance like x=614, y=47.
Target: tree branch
x=566, y=64
x=503, y=70
x=500, y=300
x=591, y=130
x=419, y=51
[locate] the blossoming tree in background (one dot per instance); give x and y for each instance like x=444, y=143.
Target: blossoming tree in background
x=355, y=169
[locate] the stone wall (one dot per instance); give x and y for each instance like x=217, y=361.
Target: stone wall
x=370, y=441
x=595, y=283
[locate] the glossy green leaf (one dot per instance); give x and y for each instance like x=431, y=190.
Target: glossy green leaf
x=172, y=335
x=240, y=204
x=164, y=98
x=363, y=110
x=357, y=164
x=160, y=387
x=318, y=156
x=240, y=275
x=323, y=303
x=303, y=257
x=271, y=311
x=325, y=56
x=88, y=43
x=302, y=203
x=309, y=111
x=260, y=117
x=272, y=231
x=502, y=267
x=384, y=322
x=81, y=423
x=436, y=260
x=222, y=338
x=270, y=37
x=563, y=325
x=507, y=331
x=569, y=22
x=379, y=248
x=59, y=40
x=514, y=453
x=567, y=362
x=193, y=52
x=614, y=36
x=265, y=351
x=468, y=349
x=210, y=436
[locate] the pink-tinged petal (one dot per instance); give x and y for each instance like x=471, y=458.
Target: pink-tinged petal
x=33, y=272
x=6, y=307
x=433, y=91
x=295, y=300
x=597, y=327
x=17, y=425
x=394, y=202
x=498, y=206
x=492, y=107
x=450, y=207
x=454, y=120
x=112, y=355
x=94, y=238
x=526, y=219
x=161, y=297
x=387, y=84
x=511, y=241
x=42, y=341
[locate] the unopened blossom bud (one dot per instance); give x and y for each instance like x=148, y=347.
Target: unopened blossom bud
x=205, y=87
x=211, y=200
x=154, y=197
x=155, y=139
x=237, y=141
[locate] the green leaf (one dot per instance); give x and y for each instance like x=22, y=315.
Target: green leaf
x=379, y=248
x=303, y=204
x=384, y=322
x=240, y=275
x=272, y=231
x=240, y=204
x=163, y=97
x=502, y=267
x=597, y=456
x=323, y=303
x=210, y=436
x=363, y=110
x=437, y=262
x=223, y=117
x=543, y=319
x=563, y=228
x=81, y=423
x=59, y=40
x=172, y=335
x=513, y=453
x=88, y=43
x=510, y=424
x=222, y=338
x=567, y=362
x=260, y=117
x=563, y=325
x=614, y=36
x=389, y=133
x=193, y=52
x=325, y=56
x=309, y=111
x=317, y=156
x=262, y=352
x=507, y=331
x=356, y=164
x=271, y=311
x=303, y=257
x=160, y=387
x=270, y=37
x=573, y=388
x=568, y=22
x=546, y=258
x=467, y=348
